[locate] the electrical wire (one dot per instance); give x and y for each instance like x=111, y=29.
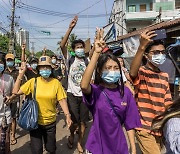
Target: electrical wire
x=6, y=5
x=37, y=38
x=31, y=27
x=53, y=13
x=68, y=15
x=4, y=8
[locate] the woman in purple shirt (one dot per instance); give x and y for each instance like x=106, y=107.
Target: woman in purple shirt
x=111, y=104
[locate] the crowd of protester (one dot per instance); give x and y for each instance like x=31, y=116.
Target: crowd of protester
x=136, y=102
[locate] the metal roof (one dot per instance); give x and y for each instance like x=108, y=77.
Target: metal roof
x=164, y=24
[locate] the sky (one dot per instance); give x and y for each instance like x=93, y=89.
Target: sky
x=35, y=23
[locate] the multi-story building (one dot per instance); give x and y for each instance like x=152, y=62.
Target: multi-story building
x=130, y=15
x=22, y=36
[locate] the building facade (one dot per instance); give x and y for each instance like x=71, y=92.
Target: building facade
x=22, y=36
x=131, y=15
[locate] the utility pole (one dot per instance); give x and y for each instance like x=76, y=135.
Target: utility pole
x=106, y=11
x=12, y=38
x=32, y=48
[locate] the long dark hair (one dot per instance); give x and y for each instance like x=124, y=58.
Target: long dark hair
x=171, y=112
x=101, y=61
x=2, y=58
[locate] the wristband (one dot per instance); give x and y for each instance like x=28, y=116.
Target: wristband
x=67, y=114
x=105, y=49
x=20, y=79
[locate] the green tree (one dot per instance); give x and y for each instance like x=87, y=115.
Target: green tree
x=4, y=46
x=4, y=41
x=72, y=37
x=48, y=53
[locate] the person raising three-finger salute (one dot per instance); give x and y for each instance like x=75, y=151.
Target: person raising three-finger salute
x=77, y=62
x=48, y=91
x=151, y=88
x=106, y=135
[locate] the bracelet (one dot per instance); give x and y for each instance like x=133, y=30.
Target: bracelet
x=20, y=79
x=67, y=114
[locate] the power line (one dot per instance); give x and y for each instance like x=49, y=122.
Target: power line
x=37, y=38
x=6, y=4
x=31, y=27
x=4, y=8
x=53, y=13
x=3, y=20
x=74, y=14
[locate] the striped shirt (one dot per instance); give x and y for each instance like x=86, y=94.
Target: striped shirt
x=152, y=95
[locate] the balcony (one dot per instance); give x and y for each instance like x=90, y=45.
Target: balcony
x=146, y=15
x=151, y=15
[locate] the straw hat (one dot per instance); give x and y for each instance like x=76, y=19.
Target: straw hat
x=10, y=56
x=45, y=60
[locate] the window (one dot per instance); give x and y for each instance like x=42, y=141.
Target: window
x=151, y=6
x=132, y=8
x=177, y=4
x=142, y=7
x=165, y=5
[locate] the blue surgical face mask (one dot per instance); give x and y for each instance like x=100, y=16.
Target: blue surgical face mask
x=80, y=53
x=34, y=66
x=53, y=61
x=158, y=59
x=45, y=73
x=9, y=63
x=111, y=76
x=1, y=68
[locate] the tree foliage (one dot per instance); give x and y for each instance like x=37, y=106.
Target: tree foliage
x=48, y=53
x=4, y=46
x=72, y=37
x=4, y=41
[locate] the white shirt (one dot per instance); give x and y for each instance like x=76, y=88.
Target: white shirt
x=76, y=72
x=8, y=86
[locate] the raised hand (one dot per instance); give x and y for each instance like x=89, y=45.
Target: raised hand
x=44, y=51
x=145, y=38
x=99, y=42
x=23, y=47
x=22, y=69
x=73, y=22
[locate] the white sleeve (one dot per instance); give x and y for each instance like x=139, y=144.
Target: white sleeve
x=172, y=134
x=124, y=77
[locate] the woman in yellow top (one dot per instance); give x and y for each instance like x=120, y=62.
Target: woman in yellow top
x=48, y=91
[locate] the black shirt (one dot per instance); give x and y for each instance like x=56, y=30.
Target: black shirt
x=31, y=74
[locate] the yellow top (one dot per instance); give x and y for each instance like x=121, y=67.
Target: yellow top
x=47, y=95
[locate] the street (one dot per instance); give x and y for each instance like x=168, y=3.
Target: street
x=23, y=139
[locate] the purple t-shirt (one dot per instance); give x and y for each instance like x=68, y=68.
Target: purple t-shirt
x=106, y=135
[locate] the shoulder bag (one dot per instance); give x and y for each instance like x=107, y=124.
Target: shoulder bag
x=28, y=118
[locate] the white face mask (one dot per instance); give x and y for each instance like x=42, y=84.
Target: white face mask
x=158, y=59
x=53, y=61
x=80, y=53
